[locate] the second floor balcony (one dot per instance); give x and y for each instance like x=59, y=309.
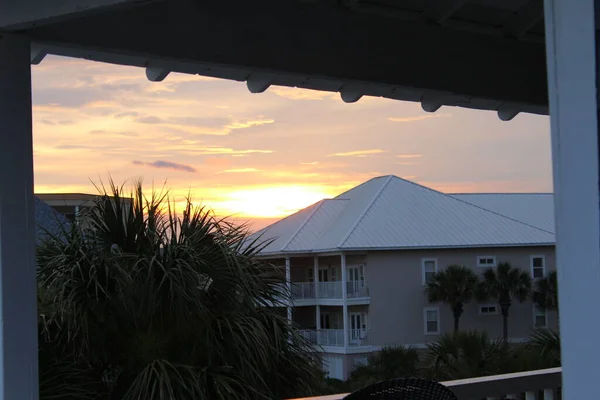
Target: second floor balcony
x=335, y=337
x=329, y=290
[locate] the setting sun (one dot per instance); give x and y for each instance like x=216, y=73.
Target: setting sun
x=270, y=202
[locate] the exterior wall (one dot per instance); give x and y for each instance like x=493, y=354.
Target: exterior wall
x=398, y=295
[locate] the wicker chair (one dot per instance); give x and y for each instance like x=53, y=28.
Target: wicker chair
x=403, y=389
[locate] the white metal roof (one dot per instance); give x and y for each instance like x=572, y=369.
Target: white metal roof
x=392, y=213
x=536, y=209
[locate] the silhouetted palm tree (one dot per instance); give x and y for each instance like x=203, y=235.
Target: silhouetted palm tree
x=388, y=363
x=141, y=303
x=454, y=286
x=503, y=285
x=463, y=355
x=545, y=295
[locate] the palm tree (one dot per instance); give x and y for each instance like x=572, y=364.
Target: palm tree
x=503, y=285
x=464, y=355
x=547, y=342
x=545, y=295
x=388, y=363
x=455, y=286
x=139, y=302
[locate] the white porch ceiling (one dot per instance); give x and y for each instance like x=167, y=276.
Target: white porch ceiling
x=481, y=54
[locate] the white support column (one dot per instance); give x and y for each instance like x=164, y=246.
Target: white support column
x=18, y=298
x=571, y=60
x=288, y=282
x=345, y=301
x=316, y=276
x=318, y=317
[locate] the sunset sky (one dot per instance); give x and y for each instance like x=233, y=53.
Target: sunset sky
x=263, y=156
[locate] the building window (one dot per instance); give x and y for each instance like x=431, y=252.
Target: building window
x=486, y=261
x=431, y=316
x=488, y=309
x=540, y=317
x=538, y=267
x=429, y=266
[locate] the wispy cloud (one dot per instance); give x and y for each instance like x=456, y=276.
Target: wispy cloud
x=405, y=163
x=300, y=94
x=205, y=126
x=210, y=150
x=104, y=132
x=239, y=170
x=310, y=163
x=167, y=165
x=358, y=153
x=418, y=118
x=249, y=123
x=409, y=155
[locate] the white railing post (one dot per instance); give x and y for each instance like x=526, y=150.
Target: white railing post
x=18, y=299
x=345, y=300
x=572, y=93
x=318, y=317
x=316, y=276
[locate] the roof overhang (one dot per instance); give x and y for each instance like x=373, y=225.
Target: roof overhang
x=308, y=252
x=440, y=53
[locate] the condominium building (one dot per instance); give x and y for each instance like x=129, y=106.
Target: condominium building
x=357, y=264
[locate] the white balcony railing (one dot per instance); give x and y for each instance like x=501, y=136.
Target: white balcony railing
x=325, y=337
x=328, y=290
x=357, y=289
x=335, y=337
x=542, y=384
x=358, y=337
x=303, y=290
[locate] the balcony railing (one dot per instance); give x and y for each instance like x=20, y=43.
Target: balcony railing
x=303, y=290
x=542, y=384
x=357, y=289
x=328, y=290
x=335, y=337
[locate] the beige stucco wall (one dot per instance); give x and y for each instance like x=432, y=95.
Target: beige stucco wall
x=398, y=297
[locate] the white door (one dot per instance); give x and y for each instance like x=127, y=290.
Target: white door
x=358, y=327
x=325, y=320
x=356, y=280
x=323, y=275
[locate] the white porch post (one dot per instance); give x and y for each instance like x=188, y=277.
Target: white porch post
x=318, y=317
x=571, y=59
x=18, y=299
x=288, y=282
x=316, y=276
x=345, y=301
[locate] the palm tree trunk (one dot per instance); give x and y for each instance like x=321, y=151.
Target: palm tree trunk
x=504, y=306
x=457, y=311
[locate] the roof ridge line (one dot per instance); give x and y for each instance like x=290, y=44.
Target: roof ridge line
x=451, y=196
x=302, y=225
x=501, y=215
x=366, y=210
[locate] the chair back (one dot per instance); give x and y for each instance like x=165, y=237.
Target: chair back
x=403, y=389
